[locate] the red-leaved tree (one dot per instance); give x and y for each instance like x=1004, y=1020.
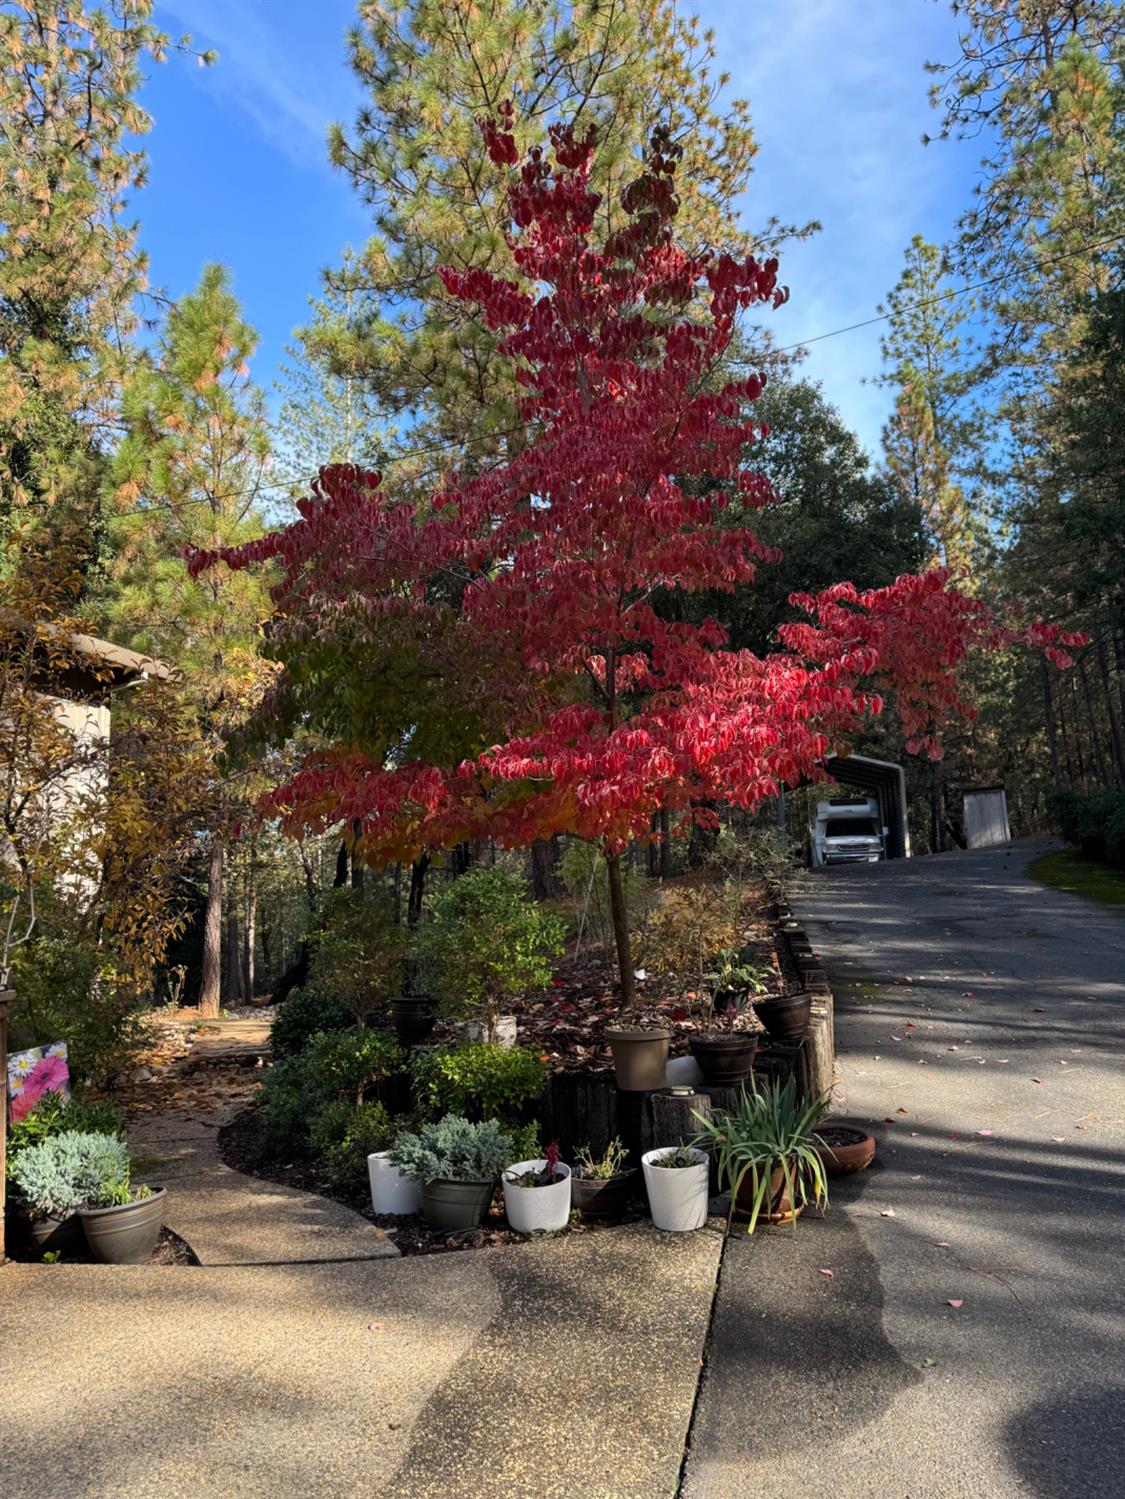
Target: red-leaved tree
x=498, y=663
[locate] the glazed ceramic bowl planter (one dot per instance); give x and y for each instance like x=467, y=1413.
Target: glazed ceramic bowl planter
x=537, y=1210
x=844, y=1149
x=126, y=1233
x=640, y=1056
x=391, y=1192
x=677, y=1195
x=725, y=1058
x=453, y=1206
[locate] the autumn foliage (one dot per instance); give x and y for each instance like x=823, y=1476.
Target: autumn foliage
x=550, y=688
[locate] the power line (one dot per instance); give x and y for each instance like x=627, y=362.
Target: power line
x=423, y=452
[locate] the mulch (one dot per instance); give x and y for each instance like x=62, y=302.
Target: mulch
x=238, y=1148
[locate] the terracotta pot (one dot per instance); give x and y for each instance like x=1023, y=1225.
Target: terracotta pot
x=413, y=1017
x=847, y=1148
x=725, y=1059
x=126, y=1234
x=640, y=1056
x=786, y=1017
x=778, y=1209
x=607, y=1197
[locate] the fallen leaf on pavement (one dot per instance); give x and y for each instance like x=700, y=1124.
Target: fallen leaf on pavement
x=941, y=1243
x=984, y=1131
x=827, y=1274
x=955, y=1304
x=374, y=1326
x=1036, y=1079
x=887, y=1213
x=929, y=1363
x=1059, y=1139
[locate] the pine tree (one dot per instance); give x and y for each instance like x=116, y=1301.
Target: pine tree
x=188, y=472
x=431, y=69
x=931, y=443
x=327, y=412
x=70, y=269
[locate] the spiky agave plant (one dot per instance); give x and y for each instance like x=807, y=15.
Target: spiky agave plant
x=770, y=1129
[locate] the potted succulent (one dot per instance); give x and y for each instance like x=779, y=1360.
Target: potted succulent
x=121, y=1222
x=676, y=1183
x=484, y=944
x=455, y=1164
x=537, y=1193
x=766, y=1152
x=601, y=1188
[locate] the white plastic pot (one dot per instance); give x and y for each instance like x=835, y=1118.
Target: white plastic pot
x=677, y=1196
x=537, y=1210
x=683, y=1072
x=503, y=1033
x=391, y=1192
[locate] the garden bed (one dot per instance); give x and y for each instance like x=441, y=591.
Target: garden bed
x=170, y=1250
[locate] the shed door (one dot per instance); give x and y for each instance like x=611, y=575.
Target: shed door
x=986, y=819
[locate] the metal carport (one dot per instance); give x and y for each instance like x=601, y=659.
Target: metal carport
x=885, y=781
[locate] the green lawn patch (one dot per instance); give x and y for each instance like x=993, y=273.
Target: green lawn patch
x=1067, y=870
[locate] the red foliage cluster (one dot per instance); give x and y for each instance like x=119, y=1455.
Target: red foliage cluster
x=540, y=579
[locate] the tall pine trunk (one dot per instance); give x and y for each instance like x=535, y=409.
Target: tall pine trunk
x=210, y=983
x=234, y=960
x=251, y=922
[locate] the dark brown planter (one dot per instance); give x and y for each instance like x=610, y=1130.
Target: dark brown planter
x=53, y=1235
x=413, y=1017
x=725, y=1060
x=725, y=999
x=453, y=1206
x=607, y=1197
x=640, y=1056
x=786, y=1018
x=846, y=1148
x=125, y=1235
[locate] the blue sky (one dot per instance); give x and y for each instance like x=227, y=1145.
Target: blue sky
x=239, y=171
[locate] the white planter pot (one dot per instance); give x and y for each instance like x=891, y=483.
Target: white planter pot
x=391, y=1192
x=536, y=1210
x=683, y=1072
x=503, y=1033
x=677, y=1198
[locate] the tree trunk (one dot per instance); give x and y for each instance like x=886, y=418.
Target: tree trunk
x=544, y=857
x=666, y=870
x=357, y=865
x=1104, y=777
x=251, y=922
x=1115, y=737
x=620, y=919
x=341, y=876
x=234, y=961
x=1049, y=720
x=210, y=982
x=417, y=890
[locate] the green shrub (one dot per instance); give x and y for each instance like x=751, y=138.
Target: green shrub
x=53, y=1114
x=454, y=1148
x=358, y=950
x=1115, y=838
x=481, y=1081
x=582, y=870
x=308, y=1013
x=1094, y=820
x=332, y=1068
x=485, y=943
x=343, y=1136
x=61, y=1173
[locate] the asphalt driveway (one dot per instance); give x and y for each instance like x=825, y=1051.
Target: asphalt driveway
x=970, y=1339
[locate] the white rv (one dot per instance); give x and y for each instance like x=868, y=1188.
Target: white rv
x=848, y=832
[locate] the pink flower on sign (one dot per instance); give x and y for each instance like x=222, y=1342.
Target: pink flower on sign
x=49, y=1075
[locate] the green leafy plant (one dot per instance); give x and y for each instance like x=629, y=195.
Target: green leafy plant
x=308, y=1013
x=682, y=931
x=453, y=1149
x=68, y=1171
x=770, y=1130
x=480, y=1081
x=337, y=1067
x=343, y=1136
x=611, y=1164
x=358, y=951
x=346, y=1064
x=484, y=943
x=730, y=972
x=53, y=1114
x=678, y=1159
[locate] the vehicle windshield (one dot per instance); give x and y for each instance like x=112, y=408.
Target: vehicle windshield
x=851, y=827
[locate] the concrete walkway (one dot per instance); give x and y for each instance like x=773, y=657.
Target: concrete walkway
x=981, y=1033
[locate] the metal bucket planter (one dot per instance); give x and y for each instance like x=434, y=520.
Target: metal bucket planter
x=127, y=1234
x=454, y=1206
